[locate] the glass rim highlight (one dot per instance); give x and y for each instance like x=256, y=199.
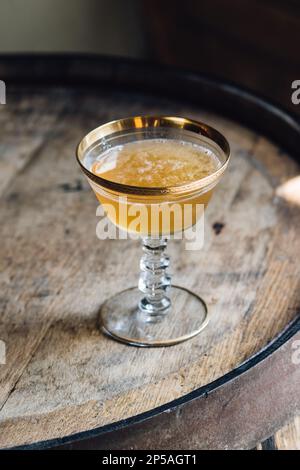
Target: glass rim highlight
x=138, y=123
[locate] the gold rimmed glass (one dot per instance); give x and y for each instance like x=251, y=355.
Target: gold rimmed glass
x=154, y=313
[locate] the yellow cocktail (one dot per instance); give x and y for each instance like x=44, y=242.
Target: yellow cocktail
x=155, y=163
x=152, y=175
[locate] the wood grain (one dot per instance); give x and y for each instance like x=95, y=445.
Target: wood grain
x=288, y=438
x=61, y=375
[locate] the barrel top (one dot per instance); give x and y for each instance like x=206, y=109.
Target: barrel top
x=61, y=375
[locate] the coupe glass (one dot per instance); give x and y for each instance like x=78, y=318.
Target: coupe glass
x=154, y=313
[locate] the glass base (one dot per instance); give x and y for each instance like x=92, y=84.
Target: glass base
x=121, y=319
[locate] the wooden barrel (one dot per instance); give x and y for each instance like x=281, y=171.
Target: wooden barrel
x=63, y=383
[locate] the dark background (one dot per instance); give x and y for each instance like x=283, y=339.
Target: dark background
x=254, y=43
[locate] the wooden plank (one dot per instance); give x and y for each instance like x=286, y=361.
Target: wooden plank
x=288, y=438
x=26, y=125
x=234, y=413
x=62, y=376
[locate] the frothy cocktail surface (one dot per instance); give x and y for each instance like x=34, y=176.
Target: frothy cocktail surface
x=155, y=163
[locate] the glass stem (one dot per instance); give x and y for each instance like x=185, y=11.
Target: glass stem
x=154, y=281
